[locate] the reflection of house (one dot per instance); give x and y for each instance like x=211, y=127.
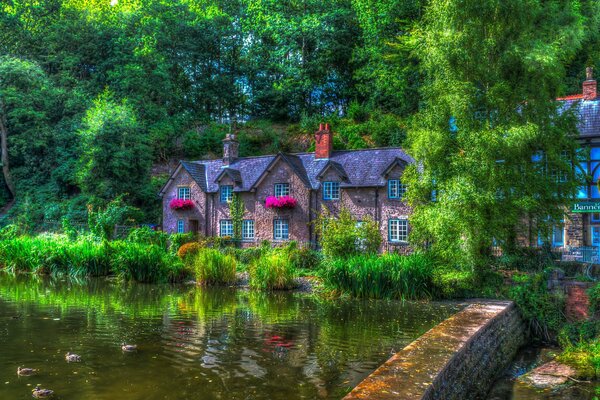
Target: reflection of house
x=367, y=182
x=581, y=225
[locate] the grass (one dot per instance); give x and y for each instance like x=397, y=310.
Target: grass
x=386, y=276
x=273, y=271
x=212, y=267
x=56, y=255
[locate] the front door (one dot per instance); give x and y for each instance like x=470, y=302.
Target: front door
x=194, y=226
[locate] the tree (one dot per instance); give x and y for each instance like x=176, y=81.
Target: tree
x=492, y=145
x=115, y=156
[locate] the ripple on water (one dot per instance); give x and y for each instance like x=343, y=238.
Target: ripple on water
x=222, y=344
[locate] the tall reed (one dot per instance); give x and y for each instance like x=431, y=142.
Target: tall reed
x=212, y=267
x=273, y=271
x=386, y=276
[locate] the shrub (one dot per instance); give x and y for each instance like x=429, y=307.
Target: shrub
x=594, y=294
x=214, y=268
x=343, y=236
x=584, y=357
x=188, y=249
x=453, y=283
x=177, y=240
x=303, y=258
x=273, y=271
x=146, y=235
x=387, y=276
x=542, y=309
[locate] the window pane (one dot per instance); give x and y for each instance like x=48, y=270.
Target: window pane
x=331, y=190
x=226, y=193
x=595, y=153
x=582, y=192
x=248, y=229
x=594, y=192
x=282, y=189
x=226, y=227
x=280, y=229
x=180, y=226
x=183, y=193
x=557, y=235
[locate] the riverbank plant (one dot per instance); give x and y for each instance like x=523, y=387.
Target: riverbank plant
x=273, y=271
x=213, y=267
x=56, y=255
x=387, y=276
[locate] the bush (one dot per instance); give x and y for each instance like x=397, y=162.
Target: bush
x=177, y=240
x=455, y=283
x=214, y=268
x=188, y=249
x=542, y=309
x=273, y=271
x=594, y=294
x=387, y=276
x=584, y=357
x=146, y=235
x=344, y=237
x=303, y=258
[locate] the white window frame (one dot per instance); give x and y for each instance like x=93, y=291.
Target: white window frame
x=398, y=230
x=282, y=189
x=180, y=226
x=281, y=229
x=184, y=193
x=248, y=232
x=331, y=191
x=226, y=193
x=226, y=227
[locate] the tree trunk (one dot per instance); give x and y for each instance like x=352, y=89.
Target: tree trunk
x=4, y=152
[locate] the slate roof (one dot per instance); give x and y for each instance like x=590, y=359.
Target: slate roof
x=588, y=113
x=362, y=168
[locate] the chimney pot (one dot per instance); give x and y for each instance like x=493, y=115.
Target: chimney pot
x=589, y=85
x=323, y=142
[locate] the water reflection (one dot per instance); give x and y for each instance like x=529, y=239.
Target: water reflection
x=195, y=342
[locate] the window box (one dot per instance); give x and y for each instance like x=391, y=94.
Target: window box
x=283, y=202
x=181, y=205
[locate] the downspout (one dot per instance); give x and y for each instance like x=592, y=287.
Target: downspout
x=206, y=214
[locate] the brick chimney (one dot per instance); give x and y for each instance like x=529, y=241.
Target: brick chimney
x=323, y=141
x=230, y=149
x=589, y=85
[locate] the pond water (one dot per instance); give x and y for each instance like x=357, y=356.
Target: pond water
x=195, y=342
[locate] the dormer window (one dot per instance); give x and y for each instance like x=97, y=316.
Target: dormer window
x=396, y=189
x=226, y=193
x=184, y=193
x=331, y=190
x=282, y=189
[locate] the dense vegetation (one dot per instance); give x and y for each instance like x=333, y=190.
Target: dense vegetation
x=99, y=97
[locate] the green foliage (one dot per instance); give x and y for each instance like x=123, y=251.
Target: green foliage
x=542, y=309
x=343, y=236
x=55, y=254
x=464, y=283
x=488, y=109
x=584, y=357
x=303, y=258
x=177, y=240
x=102, y=220
x=146, y=235
x=387, y=276
x=273, y=271
x=236, y=211
x=212, y=267
x=594, y=294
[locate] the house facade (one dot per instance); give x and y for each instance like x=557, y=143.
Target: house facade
x=283, y=194
x=580, y=226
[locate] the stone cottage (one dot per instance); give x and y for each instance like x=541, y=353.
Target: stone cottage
x=284, y=193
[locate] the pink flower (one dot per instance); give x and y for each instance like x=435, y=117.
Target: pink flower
x=280, y=202
x=179, y=204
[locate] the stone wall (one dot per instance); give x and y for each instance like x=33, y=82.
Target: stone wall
x=456, y=360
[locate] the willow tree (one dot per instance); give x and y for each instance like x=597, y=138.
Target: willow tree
x=494, y=149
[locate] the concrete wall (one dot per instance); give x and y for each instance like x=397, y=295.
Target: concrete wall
x=456, y=360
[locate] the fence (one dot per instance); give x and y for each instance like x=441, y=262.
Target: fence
x=588, y=255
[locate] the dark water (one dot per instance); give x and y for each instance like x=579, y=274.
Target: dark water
x=195, y=343
x=508, y=387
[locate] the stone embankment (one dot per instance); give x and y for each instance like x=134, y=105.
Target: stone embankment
x=458, y=359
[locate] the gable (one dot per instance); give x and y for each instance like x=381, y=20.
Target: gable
x=275, y=164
